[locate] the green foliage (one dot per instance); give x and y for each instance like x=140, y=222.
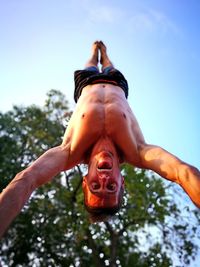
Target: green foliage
x=53, y=229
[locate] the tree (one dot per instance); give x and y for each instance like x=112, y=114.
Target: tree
x=53, y=229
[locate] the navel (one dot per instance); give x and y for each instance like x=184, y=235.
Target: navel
x=124, y=115
x=83, y=115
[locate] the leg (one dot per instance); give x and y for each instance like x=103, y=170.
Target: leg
x=170, y=167
x=105, y=61
x=94, y=59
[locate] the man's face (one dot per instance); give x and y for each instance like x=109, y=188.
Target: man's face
x=103, y=183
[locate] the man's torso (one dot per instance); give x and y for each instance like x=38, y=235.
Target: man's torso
x=102, y=110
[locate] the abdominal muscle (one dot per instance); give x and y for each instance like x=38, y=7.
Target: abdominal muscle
x=105, y=106
x=102, y=110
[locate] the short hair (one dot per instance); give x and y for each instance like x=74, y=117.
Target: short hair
x=104, y=214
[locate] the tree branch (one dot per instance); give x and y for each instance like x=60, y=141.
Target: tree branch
x=98, y=261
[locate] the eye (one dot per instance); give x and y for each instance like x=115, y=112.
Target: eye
x=111, y=186
x=95, y=186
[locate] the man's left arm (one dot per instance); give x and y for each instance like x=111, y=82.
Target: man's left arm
x=172, y=168
x=18, y=191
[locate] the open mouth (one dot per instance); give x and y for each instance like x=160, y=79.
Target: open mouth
x=104, y=165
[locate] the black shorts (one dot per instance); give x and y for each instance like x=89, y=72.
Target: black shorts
x=92, y=75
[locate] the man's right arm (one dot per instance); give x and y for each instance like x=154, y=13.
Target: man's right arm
x=18, y=191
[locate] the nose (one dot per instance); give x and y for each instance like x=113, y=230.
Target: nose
x=103, y=176
x=103, y=181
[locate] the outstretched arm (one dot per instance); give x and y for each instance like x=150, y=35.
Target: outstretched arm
x=16, y=194
x=170, y=167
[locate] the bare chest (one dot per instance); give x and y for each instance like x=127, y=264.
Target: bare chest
x=104, y=118
x=98, y=115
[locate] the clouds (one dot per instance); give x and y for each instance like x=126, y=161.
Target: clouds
x=135, y=17
x=104, y=14
x=100, y=11
x=152, y=20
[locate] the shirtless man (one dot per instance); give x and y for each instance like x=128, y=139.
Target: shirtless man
x=103, y=132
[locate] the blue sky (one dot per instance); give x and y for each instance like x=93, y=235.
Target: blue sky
x=156, y=44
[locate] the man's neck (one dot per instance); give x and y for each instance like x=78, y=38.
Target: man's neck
x=104, y=144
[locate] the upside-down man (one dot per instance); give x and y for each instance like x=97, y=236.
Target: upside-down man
x=103, y=133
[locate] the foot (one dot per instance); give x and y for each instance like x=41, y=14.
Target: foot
x=95, y=53
x=94, y=59
x=105, y=61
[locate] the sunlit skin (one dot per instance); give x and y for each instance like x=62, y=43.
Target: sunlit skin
x=104, y=180
x=102, y=132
